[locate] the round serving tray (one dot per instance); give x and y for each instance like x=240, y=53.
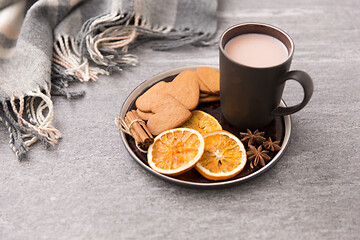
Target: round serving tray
x=279, y=130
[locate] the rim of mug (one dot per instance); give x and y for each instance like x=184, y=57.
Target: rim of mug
x=257, y=24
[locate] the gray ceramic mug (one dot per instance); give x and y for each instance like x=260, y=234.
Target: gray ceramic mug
x=250, y=96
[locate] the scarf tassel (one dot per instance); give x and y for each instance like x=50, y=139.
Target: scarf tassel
x=28, y=119
x=105, y=41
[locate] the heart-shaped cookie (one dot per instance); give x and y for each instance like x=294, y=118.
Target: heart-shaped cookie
x=167, y=113
x=184, y=88
x=143, y=103
x=210, y=98
x=144, y=115
x=210, y=78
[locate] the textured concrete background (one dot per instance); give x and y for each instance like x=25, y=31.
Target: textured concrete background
x=88, y=187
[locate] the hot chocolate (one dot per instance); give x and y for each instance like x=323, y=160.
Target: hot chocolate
x=256, y=50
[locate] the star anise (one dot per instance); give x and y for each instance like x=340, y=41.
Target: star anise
x=272, y=146
x=256, y=155
x=251, y=138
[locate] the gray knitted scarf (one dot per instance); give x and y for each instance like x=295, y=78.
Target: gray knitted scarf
x=46, y=45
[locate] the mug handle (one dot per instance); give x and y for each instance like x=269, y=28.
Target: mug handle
x=307, y=84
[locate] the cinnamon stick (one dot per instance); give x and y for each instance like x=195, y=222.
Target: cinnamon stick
x=138, y=129
x=149, y=139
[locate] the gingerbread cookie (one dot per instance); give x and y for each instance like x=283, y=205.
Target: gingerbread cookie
x=144, y=115
x=167, y=113
x=210, y=98
x=184, y=88
x=203, y=95
x=210, y=78
x=143, y=103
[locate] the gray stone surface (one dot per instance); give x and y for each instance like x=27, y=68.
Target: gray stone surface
x=88, y=187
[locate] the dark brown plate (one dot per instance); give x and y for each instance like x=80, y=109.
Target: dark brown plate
x=279, y=130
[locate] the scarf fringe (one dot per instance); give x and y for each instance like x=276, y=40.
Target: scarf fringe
x=105, y=40
x=67, y=56
x=28, y=119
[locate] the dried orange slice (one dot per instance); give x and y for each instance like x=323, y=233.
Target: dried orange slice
x=176, y=151
x=202, y=122
x=224, y=156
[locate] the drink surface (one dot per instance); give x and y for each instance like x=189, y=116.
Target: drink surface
x=256, y=50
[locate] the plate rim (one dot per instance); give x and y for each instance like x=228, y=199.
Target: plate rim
x=149, y=82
